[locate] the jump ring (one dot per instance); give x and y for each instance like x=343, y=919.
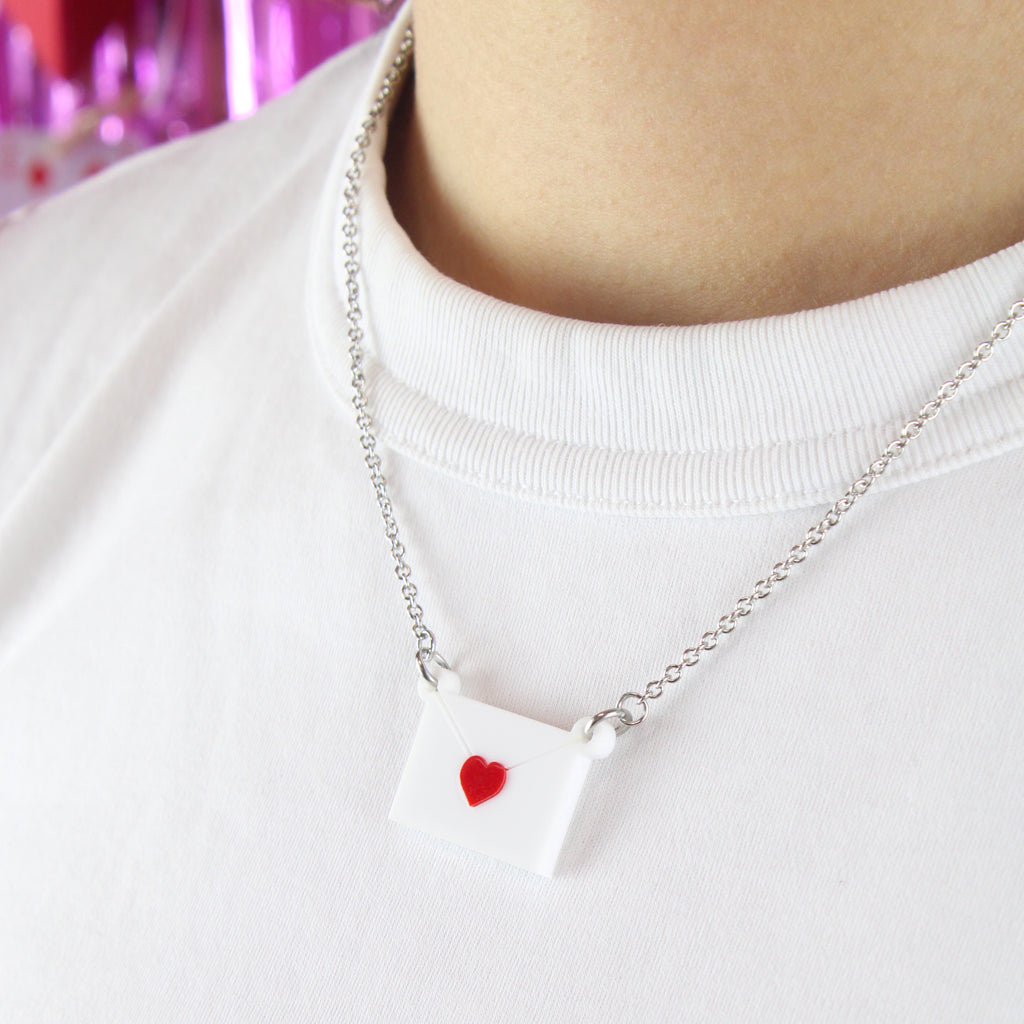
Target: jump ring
x=634, y=718
x=422, y=659
x=619, y=713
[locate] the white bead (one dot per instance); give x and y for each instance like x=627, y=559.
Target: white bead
x=601, y=742
x=447, y=681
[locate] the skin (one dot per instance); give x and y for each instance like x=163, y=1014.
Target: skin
x=688, y=161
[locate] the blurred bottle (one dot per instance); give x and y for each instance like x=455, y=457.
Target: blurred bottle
x=271, y=44
x=84, y=83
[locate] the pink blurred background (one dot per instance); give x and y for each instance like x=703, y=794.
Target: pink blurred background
x=84, y=83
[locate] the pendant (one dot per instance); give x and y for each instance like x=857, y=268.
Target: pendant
x=494, y=781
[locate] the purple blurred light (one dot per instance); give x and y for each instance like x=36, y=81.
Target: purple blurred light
x=110, y=65
x=182, y=65
x=111, y=129
x=281, y=40
x=280, y=46
x=239, y=46
x=65, y=99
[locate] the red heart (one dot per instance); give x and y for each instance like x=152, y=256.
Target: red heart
x=481, y=779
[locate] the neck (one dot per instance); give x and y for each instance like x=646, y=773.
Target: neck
x=694, y=162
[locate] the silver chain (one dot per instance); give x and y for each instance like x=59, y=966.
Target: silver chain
x=425, y=644
x=632, y=706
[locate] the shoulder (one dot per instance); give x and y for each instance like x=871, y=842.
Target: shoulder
x=81, y=272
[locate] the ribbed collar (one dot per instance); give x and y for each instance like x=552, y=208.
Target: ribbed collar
x=738, y=417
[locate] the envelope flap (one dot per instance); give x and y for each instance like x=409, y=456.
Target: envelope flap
x=499, y=735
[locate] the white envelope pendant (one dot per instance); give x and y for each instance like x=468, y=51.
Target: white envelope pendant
x=494, y=781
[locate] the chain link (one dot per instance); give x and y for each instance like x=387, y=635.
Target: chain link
x=632, y=707
x=765, y=587
x=426, y=647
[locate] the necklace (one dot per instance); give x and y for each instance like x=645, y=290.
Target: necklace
x=517, y=806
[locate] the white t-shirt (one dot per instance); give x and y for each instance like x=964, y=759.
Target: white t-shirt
x=207, y=682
